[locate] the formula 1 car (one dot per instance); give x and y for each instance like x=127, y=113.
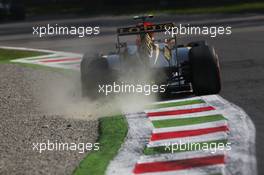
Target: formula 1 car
x=182, y=68
x=10, y=9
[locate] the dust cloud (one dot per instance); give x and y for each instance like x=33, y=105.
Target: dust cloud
x=61, y=95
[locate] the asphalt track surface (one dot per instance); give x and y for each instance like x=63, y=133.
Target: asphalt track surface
x=241, y=53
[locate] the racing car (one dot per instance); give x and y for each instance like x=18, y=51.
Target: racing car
x=193, y=67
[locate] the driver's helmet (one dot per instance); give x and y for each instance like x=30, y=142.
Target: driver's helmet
x=145, y=44
x=140, y=37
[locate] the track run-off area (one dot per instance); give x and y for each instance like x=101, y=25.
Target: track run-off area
x=154, y=135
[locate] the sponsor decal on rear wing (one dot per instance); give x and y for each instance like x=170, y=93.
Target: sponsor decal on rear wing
x=144, y=29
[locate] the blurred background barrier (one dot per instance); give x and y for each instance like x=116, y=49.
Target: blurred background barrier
x=117, y=7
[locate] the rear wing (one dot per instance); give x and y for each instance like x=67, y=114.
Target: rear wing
x=144, y=29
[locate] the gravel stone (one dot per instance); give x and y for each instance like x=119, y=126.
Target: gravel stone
x=24, y=123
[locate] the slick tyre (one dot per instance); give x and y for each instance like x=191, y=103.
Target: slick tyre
x=95, y=72
x=205, y=70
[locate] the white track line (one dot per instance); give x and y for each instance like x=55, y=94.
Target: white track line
x=51, y=56
x=34, y=59
x=41, y=50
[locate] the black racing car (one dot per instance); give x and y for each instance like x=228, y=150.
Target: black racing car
x=193, y=67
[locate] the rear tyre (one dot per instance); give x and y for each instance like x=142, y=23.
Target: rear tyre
x=95, y=72
x=197, y=43
x=205, y=69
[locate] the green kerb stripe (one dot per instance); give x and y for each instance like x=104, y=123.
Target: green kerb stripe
x=185, y=147
x=187, y=121
x=172, y=104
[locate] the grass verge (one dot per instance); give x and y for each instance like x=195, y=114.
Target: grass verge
x=112, y=132
x=6, y=55
x=9, y=54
